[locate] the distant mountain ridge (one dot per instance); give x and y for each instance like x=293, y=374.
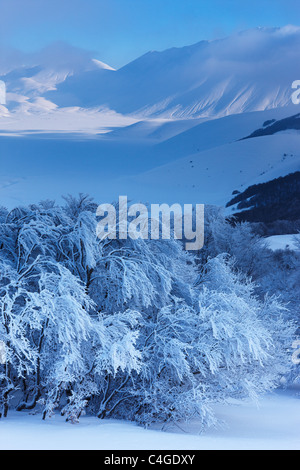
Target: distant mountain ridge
x=249, y=71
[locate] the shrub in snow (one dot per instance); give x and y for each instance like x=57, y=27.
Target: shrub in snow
x=134, y=328
x=225, y=343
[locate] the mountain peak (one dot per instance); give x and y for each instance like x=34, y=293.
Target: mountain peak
x=102, y=65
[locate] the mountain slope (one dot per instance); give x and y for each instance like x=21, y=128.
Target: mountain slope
x=250, y=71
x=207, y=170
x=278, y=199
x=31, y=76
x=220, y=165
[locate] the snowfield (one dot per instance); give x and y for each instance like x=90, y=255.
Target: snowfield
x=283, y=242
x=273, y=425
x=157, y=161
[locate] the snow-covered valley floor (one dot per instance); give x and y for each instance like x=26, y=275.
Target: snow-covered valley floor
x=275, y=424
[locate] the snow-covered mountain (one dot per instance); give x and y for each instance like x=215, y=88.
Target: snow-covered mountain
x=29, y=77
x=203, y=164
x=171, y=126
x=249, y=71
x=38, y=72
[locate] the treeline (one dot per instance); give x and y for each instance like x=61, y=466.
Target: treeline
x=272, y=127
x=275, y=200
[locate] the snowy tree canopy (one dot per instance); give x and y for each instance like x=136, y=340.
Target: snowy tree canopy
x=135, y=329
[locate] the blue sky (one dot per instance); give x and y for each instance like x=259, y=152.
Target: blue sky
x=118, y=31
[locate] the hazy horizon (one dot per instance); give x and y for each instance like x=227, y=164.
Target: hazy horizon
x=118, y=31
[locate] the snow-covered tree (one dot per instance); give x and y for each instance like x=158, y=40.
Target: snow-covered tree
x=223, y=345
x=133, y=328
x=18, y=319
